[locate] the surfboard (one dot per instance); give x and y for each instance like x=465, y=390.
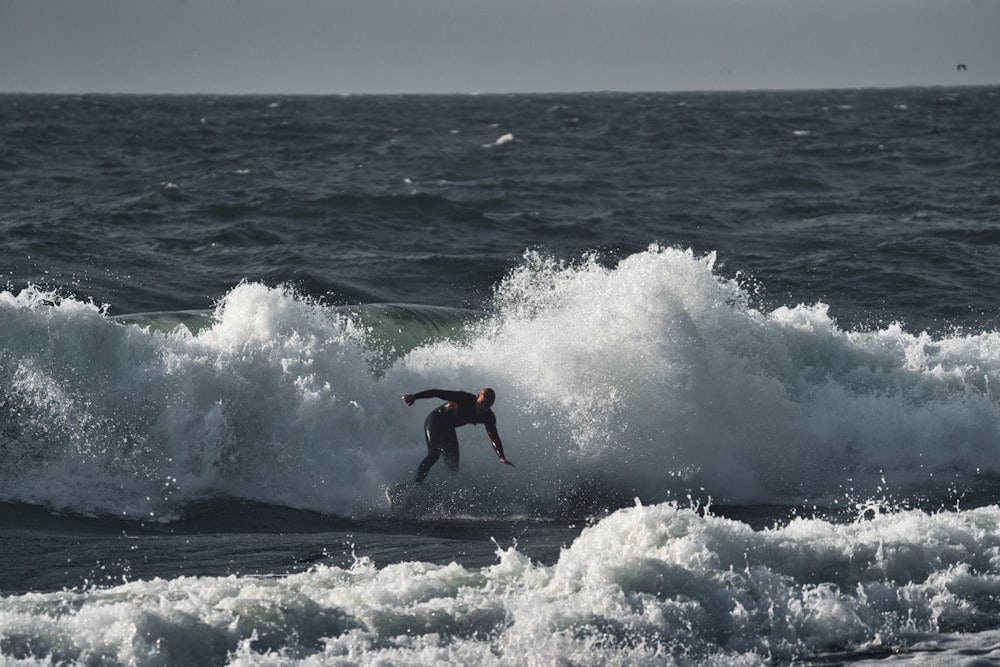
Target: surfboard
x=412, y=498
x=399, y=494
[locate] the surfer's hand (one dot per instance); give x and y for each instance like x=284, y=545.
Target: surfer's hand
x=408, y=399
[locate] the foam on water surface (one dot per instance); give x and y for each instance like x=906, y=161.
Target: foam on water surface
x=646, y=585
x=653, y=378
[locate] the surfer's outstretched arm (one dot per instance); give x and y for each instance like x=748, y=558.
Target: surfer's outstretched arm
x=442, y=394
x=491, y=429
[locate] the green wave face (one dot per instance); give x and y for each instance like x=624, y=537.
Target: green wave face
x=393, y=329
x=390, y=330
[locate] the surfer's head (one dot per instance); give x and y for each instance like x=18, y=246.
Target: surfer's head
x=486, y=397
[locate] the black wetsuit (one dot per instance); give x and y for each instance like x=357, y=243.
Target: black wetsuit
x=440, y=425
x=439, y=428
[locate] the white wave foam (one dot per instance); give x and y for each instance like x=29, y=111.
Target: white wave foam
x=657, y=373
x=501, y=140
x=645, y=586
x=652, y=378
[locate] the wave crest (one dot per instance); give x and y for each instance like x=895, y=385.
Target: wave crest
x=652, y=377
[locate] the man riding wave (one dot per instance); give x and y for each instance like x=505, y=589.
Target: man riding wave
x=460, y=409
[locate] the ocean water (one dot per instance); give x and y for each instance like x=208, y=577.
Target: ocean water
x=746, y=348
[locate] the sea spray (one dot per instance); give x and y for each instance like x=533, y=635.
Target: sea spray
x=650, y=377
x=647, y=585
x=264, y=404
x=657, y=376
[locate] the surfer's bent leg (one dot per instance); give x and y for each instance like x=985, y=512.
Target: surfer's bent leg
x=441, y=438
x=448, y=445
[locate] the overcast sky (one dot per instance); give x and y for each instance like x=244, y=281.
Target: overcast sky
x=402, y=46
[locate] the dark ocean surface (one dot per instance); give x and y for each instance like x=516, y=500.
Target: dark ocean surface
x=745, y=348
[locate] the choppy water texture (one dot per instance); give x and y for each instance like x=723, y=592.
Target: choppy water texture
x=880, y=203
x=744, y=344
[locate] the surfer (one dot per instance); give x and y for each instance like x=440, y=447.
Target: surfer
x=461, y=408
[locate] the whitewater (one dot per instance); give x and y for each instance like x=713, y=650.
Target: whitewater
x=745, y=349
x=669, y=386
x=671, y=396
x=654, y=585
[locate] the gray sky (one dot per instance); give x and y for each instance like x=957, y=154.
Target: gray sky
x=390, y=46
